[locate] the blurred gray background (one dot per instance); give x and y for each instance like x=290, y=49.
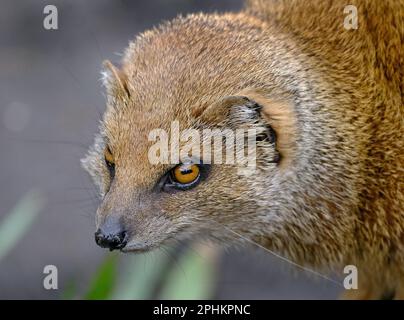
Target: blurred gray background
x=50, y=103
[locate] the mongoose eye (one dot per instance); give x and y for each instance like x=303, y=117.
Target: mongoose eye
x=185, y=173
x=183, y=177
x=109, y=160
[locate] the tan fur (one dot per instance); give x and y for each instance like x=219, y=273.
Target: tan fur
x=335, y=100
x=279, y=115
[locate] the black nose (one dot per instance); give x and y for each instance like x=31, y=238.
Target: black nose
x=111, y=235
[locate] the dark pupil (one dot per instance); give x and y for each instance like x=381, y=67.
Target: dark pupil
x=186, y=171
x=111, y=168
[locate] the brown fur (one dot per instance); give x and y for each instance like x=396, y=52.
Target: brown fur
x=334, y=98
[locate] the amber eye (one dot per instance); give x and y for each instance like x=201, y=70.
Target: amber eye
x=110, y=161
x=109, y=158
x=186, y=173
x=183, y=177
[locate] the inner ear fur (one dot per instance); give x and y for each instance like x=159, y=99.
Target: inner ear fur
x=217, y=113
x=115, y=80
x=277, y=112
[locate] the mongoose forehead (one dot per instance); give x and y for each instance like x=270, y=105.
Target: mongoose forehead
x=320, y=192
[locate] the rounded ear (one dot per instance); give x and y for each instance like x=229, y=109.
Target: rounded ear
x=114, y=80
x=219, y=112
x=277, y=113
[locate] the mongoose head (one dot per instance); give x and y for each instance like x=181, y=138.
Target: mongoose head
x=210, y=72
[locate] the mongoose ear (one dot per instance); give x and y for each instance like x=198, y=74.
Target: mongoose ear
x=114, y=80
x=218, y=113
x=276, y=112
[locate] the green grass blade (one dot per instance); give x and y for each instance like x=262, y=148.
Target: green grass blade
x=141, y=276
x=195, y=278
x=15, y=225
x=70, y=291
x=104, y=281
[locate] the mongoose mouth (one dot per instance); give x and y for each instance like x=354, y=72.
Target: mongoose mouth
x=136, y=248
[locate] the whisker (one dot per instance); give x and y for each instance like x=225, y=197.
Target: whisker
x=86, y=214
x=92, y=192
x=174, y=257
x=73, y=143
x=78, y=188
x=280, y=256
x=80, y=86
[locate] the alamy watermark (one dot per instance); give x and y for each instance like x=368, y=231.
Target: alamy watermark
x=218, y=146
x=351, y=278
x=50, y=281
x=50, y=22
x=351, y=18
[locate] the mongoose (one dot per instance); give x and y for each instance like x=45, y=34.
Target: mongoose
x=328, y=187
